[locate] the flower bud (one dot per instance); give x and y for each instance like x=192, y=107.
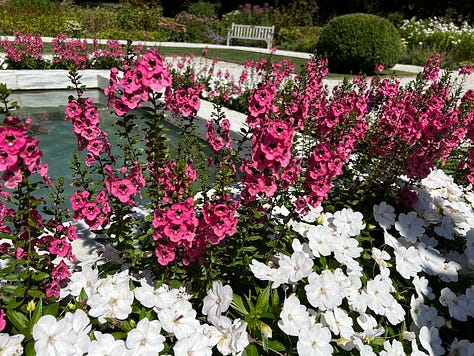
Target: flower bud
x=31, y=306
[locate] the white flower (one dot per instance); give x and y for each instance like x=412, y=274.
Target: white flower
x=410, y=226
x=394, y=313
x=408, y=261
x=384, y=214
x=145, y=338
x=364, y=350
x=296, y=267
x=378, y=294
x=431, y=260
x=392, y=349
x=348, y=223
x=11, y=345
x=151, y=297
x=346, y=250
x=323, y=291
x=293, y=316
x=321, y=240
x=106, y=345
x=446, y=229
x=266, y=273
x=422, y=288
x=339, y=323
x=233, y=336
x=458, y=306
x=112, y=300
x=314, y=341
x=380, y=256
x=217, y=300
x=424, y=315
x=85, y=279
x=469, y=251
x=80, y=330
x=195, y=344
x=461, y=348
x=430, y=340
x=449, y=271
x=179, y=319
x=53, y=338
x=368, y=324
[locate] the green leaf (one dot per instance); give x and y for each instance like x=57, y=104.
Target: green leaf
x=276, y=345
x=239, y=305
x=263, y=300
x=251, y=350
x=30, y=348
x=37, y=313
x=19, y=321
x=51, y=309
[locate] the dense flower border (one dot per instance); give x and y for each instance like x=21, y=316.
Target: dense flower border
x=326, y=229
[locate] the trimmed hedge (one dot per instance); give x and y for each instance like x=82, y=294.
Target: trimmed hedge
x=355, y=43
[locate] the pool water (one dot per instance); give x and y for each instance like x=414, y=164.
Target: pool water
x=57, y=139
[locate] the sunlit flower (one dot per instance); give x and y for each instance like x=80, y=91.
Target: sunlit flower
x=106, y=345
x=430, y=340
x=295, y=267
x=348, y=223
x=194, y=344
x=10, y=345
x=314, y=341
x=293, y=316
x=53, y=338
x=145, y=339
x=179, y=319
x=410, y=226
x=217, y=300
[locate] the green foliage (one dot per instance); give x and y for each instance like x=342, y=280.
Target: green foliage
x=134, y=35
x=250, y=15
x=35, y=5
x=298, y=38
x=297, y=13
x=357, y=42
x=145, y=18
x=203, y=8
x=200, y=29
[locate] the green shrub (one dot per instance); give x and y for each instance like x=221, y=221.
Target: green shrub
x=134, y=35
x=146, y=18
x=298, y=38
x=202, y=8
x=200, y=29
x=357, y=42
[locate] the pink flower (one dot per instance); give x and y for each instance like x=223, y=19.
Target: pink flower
x=61, y=271
x=3, y=322
x=123, y=189
x=60, y=247
x=53, y=289
x=465, y=70
x=379, y=67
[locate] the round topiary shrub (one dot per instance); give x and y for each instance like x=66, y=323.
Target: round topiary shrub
x=357, y=42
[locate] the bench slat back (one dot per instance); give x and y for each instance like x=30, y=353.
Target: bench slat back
x=250, y=32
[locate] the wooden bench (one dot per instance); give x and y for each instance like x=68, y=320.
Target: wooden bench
x=250, y=32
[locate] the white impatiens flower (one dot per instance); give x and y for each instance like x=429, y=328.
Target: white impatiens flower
x=266, y=273
x=321, y=240
x=81, y=327
x=85, y=279
x=151, y=297
x=410, y=226
x=11, y=345
x=424, y=315
x=195, y=344
x=458, y=306
x=469, y=251
x=384, y=214
x=113, y=300
x=461, y=347
x=394, y=348
x=217, y=300
x=233, y=337
x=296, y=267
x=339, y=323
x=378, y=294
x=369, y=326
x=293, y=316
x=346, y=250
x=323, y=291
x=430, y=340
x=348, y=223
x=422, y=288
x=179, y=319
x=53, y=338
x=380, y=257
x=106, y=345
x=408, y=261
x=145, y=339
x=314, y=341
